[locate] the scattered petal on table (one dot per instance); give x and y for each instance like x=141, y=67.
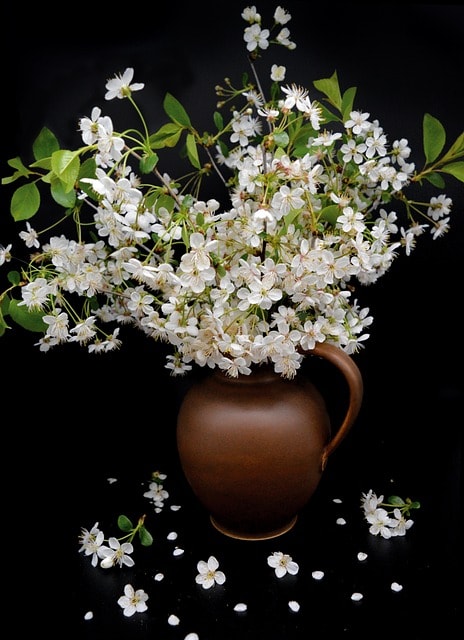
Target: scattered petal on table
x=317, y=575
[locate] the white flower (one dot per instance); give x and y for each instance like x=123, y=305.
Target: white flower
x=133, y=601
x=278, y=73
x=120, y=86
x=117, y=554
x=282, y=564
x=30, y=237
x=209, y=574
x=91, y=543
x=5, y=254
x=255, y=37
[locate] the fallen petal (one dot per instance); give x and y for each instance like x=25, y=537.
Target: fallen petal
x=317, y=575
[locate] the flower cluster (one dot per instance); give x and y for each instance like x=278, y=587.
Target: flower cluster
x=315, y=205
x=387, y=518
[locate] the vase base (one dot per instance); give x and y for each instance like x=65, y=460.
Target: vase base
x=253, y=535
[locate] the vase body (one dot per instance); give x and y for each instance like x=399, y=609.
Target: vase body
x=253, y=448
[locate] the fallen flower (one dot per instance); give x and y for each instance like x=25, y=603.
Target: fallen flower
x=209, y=574
x=116, y=554
x=133, y=601
x=282, y=563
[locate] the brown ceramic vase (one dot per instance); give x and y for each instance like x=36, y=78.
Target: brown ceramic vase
x=253, y=448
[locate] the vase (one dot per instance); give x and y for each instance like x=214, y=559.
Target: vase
x=253, y=448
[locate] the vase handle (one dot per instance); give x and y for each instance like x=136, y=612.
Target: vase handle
x=346, y=365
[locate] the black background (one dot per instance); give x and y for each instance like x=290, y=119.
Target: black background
x=71, y=420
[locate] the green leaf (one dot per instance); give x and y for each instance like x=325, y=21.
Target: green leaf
x=14, y=277
x=45, y=144
x=30, y=320
x=3, y=325
x=330, y=88
x=21, y=170
x=87, y=169
x=348, y=102
x=330, y=213
x=176, y=111
x=457, y=148
x=192, y=151
x=43, y=163
x=66, y=199
x=145, y=537
x=434, y=137
x=165, y=201
x=66, y=165
x=395, y=500
x=218, y=120
x=436, y=179
x=25, y=202
x=414, y=505
x=455, y=169
x=281, y=138
x=125, y=524
x=167, y=136
x=148, y=163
